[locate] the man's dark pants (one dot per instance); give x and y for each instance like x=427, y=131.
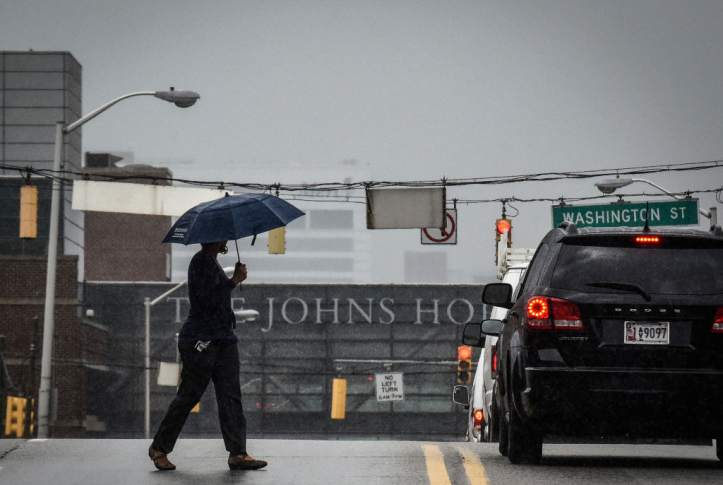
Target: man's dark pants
x=219, y=363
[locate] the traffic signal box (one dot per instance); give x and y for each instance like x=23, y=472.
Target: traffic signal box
x=16, y=414
x=503, y=226
x=277, y=240
x=338, y=399
x=464, y=364
x=28, y=212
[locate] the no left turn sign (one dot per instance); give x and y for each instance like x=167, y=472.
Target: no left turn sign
x=439, y=236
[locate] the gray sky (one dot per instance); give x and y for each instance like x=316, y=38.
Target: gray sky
x=412, y=89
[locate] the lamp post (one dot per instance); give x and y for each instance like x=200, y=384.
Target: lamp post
x=608, y=186
x=182, y=99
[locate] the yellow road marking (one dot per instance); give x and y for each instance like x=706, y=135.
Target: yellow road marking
x=473, y=467
x=435, y=465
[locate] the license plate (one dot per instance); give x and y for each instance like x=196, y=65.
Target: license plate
x=647, y=333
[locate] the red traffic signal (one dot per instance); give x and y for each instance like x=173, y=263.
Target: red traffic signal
x=464, y=353
x=464, y=364
x=503, y=226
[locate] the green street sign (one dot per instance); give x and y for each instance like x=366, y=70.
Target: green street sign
x=628, y=214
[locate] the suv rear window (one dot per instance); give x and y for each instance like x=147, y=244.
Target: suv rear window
x=672, y=268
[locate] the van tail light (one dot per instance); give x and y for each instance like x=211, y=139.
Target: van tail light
x=718, y=321
x=548, y=313
x=478, y=417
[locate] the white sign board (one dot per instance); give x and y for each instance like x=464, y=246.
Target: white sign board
x=413, y=208
x=169, y=374
x=448, y=235
x=390, y=386
x=158, y=200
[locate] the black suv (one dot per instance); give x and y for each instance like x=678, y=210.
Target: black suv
x=613, y=332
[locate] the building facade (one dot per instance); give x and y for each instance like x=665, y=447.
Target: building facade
x=125, y=247
x=305, y=336
x=319, y=317
x=38, y=89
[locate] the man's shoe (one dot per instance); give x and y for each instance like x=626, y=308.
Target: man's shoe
x=245, y=462
x=160, y=459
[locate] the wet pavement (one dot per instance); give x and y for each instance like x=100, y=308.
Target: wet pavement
x=297, y=462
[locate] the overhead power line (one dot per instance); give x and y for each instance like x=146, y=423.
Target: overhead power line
x=314, y=190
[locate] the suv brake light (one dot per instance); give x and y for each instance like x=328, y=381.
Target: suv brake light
x=494, y=359
x=718, y=321
x=548, y=313
x=538, y=314
x=647, y=239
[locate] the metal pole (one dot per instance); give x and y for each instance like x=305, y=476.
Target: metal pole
x=48, y=320
x=148, y=369
x=147, y=372
x=702, y=212
x=31, y=386
x=107, y=105
x=2, y=380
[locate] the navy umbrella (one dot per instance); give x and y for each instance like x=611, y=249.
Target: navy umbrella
x=232, y=217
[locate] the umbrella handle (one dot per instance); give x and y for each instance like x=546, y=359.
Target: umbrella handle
x=237, y=253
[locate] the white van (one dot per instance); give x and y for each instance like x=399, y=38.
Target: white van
x=480, y=399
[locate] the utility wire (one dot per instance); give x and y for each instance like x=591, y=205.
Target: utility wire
x=328, y=192
x=66, y=175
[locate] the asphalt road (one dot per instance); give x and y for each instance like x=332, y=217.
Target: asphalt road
x=106, y=462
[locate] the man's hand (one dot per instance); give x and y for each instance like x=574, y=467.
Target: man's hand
x=239, y=273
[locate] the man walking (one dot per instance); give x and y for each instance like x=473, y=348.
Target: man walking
x=209, y=352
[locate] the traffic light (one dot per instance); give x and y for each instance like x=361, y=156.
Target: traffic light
x=15, y=416
x=277, y=240
x=28, y=212
x=503, y=226
x=338, y=399
x=464, y=364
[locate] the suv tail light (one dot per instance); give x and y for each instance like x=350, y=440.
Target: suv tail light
x=494, y=359
x=548, y=313
x=718, y=321
x=538, y=314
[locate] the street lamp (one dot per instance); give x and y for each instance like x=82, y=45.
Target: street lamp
x=182, y=99
x=608, y=186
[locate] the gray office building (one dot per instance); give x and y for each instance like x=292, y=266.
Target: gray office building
x=38, y=89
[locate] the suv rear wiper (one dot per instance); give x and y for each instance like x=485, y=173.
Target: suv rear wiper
x=624, y=287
